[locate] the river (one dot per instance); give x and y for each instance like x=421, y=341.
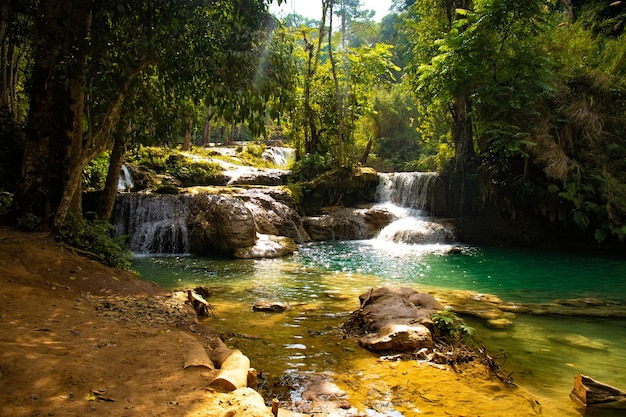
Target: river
x=323, y=280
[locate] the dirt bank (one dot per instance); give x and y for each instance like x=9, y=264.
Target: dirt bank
x=77, y=338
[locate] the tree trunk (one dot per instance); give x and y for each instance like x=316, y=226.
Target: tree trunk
x=107, y=200
x=56, y=110
x=206, y=132
x=187, y=142
x=462, y=135
x=338, y=94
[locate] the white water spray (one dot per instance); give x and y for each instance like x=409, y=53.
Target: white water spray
x=408, y=196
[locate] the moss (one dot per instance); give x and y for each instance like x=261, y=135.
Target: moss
x=190, y=172
x=339, y=187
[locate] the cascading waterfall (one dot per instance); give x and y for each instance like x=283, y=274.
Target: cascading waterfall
x=154, y=224
x=408, y=197
x=279, y=156
x=125, y=182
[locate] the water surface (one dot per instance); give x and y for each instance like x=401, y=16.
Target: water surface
x=323, y=280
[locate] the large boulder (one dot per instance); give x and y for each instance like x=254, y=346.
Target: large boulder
x=347, y=223
x=219, y=223
x=274, y=212
x=394, y=319
x=268, y=246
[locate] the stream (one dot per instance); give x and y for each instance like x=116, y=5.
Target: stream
x=322, y=282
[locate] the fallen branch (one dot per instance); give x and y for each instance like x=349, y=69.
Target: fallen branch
x=233, y=373
x=592, y=393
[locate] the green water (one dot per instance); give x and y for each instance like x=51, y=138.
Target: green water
x=324, y=280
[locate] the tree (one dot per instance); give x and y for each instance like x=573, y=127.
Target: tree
x=483, y=63
x=90, y=57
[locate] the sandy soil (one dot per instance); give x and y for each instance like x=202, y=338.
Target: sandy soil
x=77, y=338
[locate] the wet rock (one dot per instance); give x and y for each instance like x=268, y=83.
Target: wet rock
x=270, y=306
x=220, y=223
x=484, y=306
x=274, y=212
x=397, y=319
x=398, y=337
x=342, y=224
x=268, y=246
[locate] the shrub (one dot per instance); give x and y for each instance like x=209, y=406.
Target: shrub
x=95, y=236
x=453, y=327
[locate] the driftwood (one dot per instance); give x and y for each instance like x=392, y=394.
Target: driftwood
x=194, y=354
x=202, y=307
x=233, y=373
x=593, y=394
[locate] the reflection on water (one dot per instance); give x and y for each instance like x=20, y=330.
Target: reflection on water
x=322, y=283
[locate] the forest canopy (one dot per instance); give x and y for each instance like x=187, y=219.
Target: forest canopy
x=519, y=105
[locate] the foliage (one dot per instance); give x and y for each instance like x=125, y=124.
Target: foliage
x=150, y=157
x=29, y=222
x=193, y=172
x=453, y=327
x=310, y=167
x=94, y=236
x=95, y=173
x=6, y=199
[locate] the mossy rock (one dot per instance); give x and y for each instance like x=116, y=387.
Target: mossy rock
x=339, y=187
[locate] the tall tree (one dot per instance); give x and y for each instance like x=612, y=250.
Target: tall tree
x=89, y=57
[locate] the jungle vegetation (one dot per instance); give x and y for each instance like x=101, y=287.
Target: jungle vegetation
x=521, y=106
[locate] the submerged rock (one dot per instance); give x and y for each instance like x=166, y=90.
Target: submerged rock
x=270, y=306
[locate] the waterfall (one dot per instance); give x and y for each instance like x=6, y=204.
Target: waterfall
x=279, y=156
x=408, y=197
x=125, y=182
x=154, y=224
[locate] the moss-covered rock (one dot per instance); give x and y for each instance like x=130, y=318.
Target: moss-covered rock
x=339, y=187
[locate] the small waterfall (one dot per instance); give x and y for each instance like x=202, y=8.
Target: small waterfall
x=407, y=189
x=408, y=197
x=155, y=224
x=279, y=156
x=125, y=182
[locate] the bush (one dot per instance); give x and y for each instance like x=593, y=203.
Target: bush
x=6, y=199
x=95, y=236
x=190, y=172
x=453, y=327
x=311, y=166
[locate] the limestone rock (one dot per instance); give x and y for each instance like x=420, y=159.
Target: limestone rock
x=221, y=223
x=397, y=319
x=270, y=306
x=275, y=213
x=398, y=337
x=268, y=246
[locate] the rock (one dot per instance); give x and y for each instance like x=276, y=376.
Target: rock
x=268, y=246
x=274, y=212
x=398, y=337
x=219, y=223
x=253, y=176
x=342, y=224
x=577, y=341
x=396, y=319
x=484, y=306
x=270, y=306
